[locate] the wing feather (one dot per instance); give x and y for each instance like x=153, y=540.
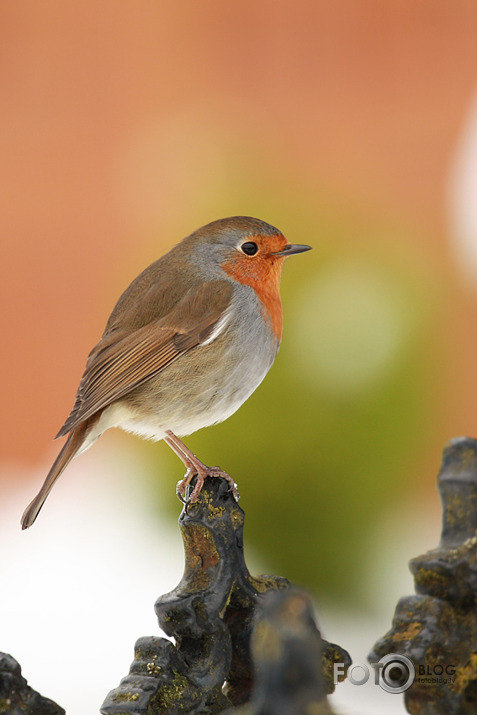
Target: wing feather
x=125, y=359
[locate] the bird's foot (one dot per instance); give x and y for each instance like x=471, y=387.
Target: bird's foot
x=202, y=471
x=195, y=467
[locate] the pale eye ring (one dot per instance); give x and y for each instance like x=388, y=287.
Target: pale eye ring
x=250, y=248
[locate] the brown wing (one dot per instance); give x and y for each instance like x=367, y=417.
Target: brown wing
x=122, y=359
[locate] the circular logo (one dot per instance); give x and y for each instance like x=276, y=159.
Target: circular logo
x=396, y=673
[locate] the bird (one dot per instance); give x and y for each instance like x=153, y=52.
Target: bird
x=186, y=344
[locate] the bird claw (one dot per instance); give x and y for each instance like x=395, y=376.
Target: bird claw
x=201, y=474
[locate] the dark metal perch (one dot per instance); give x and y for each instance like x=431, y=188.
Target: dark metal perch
x=211, y=615
x=437, y=628
x=251, y=643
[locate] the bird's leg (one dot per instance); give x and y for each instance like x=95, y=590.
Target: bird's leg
x=183, y=483
x=195, y=466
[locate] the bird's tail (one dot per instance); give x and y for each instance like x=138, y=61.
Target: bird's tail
x=68, y=451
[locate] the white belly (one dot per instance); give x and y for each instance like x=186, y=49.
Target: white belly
x=190, y=394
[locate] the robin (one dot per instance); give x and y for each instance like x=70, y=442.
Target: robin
x=186, y=344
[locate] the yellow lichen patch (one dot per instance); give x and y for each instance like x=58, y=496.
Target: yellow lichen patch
x=125, y=697
x=169, y=695
x=433, y=581
x=207, y=500
x=411, y=632
x=262, y=584
x=215, y=511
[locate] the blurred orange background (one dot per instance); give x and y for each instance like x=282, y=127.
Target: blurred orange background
x=126, y=125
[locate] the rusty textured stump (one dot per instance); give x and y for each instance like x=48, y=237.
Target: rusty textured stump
x=210, y=615
x=437, y=628
x=17, y=697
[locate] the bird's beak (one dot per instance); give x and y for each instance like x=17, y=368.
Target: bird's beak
x=291, y=249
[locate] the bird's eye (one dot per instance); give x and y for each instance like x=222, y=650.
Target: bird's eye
x=250, y=248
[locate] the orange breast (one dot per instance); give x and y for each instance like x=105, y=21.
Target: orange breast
x=263, y=275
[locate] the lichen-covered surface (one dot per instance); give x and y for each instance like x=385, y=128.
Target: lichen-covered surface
x=437, y=628
x=211, y=616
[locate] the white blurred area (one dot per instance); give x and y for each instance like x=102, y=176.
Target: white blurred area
x=463, y=198
x=80, y=584
x=385, y=579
